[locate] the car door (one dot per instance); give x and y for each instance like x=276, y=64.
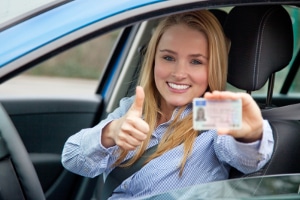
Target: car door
x=47, y=112
x=48, y=108
x=45, y=109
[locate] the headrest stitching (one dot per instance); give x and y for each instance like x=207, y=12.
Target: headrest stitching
x=259, y=46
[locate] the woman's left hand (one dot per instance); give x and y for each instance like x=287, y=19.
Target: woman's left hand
x=252, y=121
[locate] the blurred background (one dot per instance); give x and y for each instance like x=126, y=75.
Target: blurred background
x=75, y=71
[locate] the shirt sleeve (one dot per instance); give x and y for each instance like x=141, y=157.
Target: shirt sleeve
x=246, y=157
x=83, y=152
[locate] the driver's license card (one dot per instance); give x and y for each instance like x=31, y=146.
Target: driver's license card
x=214, y=114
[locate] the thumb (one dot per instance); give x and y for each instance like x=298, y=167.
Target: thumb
x=138, y=103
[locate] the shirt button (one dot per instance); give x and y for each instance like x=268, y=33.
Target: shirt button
x=260, y=157
x=125, y=186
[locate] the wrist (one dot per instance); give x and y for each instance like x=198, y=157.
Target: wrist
x=107, y=139
x=253, y=135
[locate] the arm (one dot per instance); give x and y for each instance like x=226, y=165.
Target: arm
x=246, y=157
x=84, y=153
x=249, y=148
x=92, y=151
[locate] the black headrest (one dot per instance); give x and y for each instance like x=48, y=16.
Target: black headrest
x=261, y=44
x=221, y=15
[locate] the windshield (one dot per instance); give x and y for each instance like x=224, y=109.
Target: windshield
x=12, y=11
x=264, y=187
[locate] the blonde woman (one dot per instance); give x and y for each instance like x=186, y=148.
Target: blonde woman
x=186, y=58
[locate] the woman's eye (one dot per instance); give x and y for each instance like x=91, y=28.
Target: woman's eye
x=168, y=58
x=196, y=62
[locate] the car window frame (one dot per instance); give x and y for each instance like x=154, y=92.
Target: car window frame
x=31, y=13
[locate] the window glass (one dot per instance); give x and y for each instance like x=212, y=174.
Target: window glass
x=295, y=88
x=295, y=16
x=75, y=71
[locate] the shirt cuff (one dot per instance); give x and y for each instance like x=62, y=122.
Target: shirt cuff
x=266, y=145
x=91, y=142
x=263, y=147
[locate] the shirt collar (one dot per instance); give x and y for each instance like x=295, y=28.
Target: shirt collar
x=186, y=111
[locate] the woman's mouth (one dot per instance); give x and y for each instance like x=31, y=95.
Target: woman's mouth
x=178, y=86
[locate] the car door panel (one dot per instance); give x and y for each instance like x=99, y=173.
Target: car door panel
x=44, y=125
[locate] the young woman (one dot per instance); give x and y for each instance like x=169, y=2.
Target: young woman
x=186, y=58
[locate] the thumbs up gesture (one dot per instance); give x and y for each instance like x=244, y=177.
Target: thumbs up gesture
x=131, y=130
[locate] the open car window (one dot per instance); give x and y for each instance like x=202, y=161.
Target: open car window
x=75, y=71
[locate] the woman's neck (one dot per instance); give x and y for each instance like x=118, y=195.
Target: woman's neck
x=166, y=113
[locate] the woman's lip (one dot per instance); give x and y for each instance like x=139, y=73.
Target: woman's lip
x=176, y=86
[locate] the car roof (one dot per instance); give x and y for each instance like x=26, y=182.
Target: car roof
x=57, y=27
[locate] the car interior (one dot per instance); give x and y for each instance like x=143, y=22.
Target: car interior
x=33, y=131
x=252, y=44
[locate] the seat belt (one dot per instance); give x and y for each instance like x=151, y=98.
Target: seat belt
x=289, y=112
x=119, y=174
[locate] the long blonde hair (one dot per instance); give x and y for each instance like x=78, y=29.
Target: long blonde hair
x=180, y=131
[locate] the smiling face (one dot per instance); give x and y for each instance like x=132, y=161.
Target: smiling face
x=181, y=66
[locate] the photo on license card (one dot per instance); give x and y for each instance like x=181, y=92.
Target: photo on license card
x=214, y=114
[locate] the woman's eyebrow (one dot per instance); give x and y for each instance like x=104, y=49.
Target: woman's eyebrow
x=167, y=50
x=191, y=55
x=199, y=55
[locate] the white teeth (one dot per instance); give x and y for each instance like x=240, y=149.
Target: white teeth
x=178, y=87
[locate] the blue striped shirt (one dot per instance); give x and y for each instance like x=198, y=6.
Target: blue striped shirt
x=210, y=160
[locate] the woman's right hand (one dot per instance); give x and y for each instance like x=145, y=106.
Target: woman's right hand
x=129, y=131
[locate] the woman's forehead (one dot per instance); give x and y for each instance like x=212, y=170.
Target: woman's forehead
x=181, y=37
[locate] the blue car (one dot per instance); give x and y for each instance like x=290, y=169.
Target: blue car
x=66, y=64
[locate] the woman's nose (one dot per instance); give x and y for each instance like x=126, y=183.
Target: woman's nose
x=179, y=71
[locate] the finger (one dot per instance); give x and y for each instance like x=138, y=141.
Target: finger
x=222, y=95
x=222, y=131
x=128, y=141
x=131, y=140
x=136, y=127
x=137, y=106
x=124, y=145
x=225, y=131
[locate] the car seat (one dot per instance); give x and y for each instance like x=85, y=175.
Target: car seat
x=262, y=44
x=221, y=15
